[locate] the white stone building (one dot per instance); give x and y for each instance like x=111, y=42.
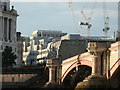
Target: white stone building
x=8, y=17
x=37, y=47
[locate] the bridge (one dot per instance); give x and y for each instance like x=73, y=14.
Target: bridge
x=102, y=58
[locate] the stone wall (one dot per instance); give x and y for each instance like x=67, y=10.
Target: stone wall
x=16, y=77
x=70, y=48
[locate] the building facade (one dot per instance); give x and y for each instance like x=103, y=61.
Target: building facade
x=37, y=47
x=8, y=18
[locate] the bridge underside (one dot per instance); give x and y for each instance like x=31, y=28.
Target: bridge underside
x=115, y=79
x=73, y=77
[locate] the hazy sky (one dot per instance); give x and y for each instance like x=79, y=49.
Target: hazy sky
x=59, y=16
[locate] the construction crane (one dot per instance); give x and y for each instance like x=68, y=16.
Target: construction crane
x=77, y=28
x=72, y=12
x=106, y=20
x=87, y=20
x=86, y=23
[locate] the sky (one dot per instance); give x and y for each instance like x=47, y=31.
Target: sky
x=65, y=17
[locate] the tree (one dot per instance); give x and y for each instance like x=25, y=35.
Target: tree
x=8, y=57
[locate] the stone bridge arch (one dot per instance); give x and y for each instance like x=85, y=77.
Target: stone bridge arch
x=73, y=77
x=70, y=64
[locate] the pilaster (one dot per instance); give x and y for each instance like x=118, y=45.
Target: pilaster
x=7, y=29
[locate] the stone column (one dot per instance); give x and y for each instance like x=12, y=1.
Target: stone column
x=96, y=68
x=2, y=28
x=51, y=74
x=108, y=64
x=7, y=29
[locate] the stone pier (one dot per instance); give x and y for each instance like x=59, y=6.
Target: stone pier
x=52, y=64
x=96, y=79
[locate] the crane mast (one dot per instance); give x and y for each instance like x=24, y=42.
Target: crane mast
x=106, y=20
x=87, y=19
x=86, y=23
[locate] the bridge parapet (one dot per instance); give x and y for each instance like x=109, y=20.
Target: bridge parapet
x=114, y=57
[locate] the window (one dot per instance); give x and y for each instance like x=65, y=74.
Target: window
x=5, y=29
x=57, y=35
x=25, y=49
x=2, y=79
x=48, y=35
x=44, y=34
x=13, y=79
x=35, y=42
x=31, y=62
x=38, y=47
x=39, y=34
x=15, y=49
x=5, y=6
x=1, y=47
